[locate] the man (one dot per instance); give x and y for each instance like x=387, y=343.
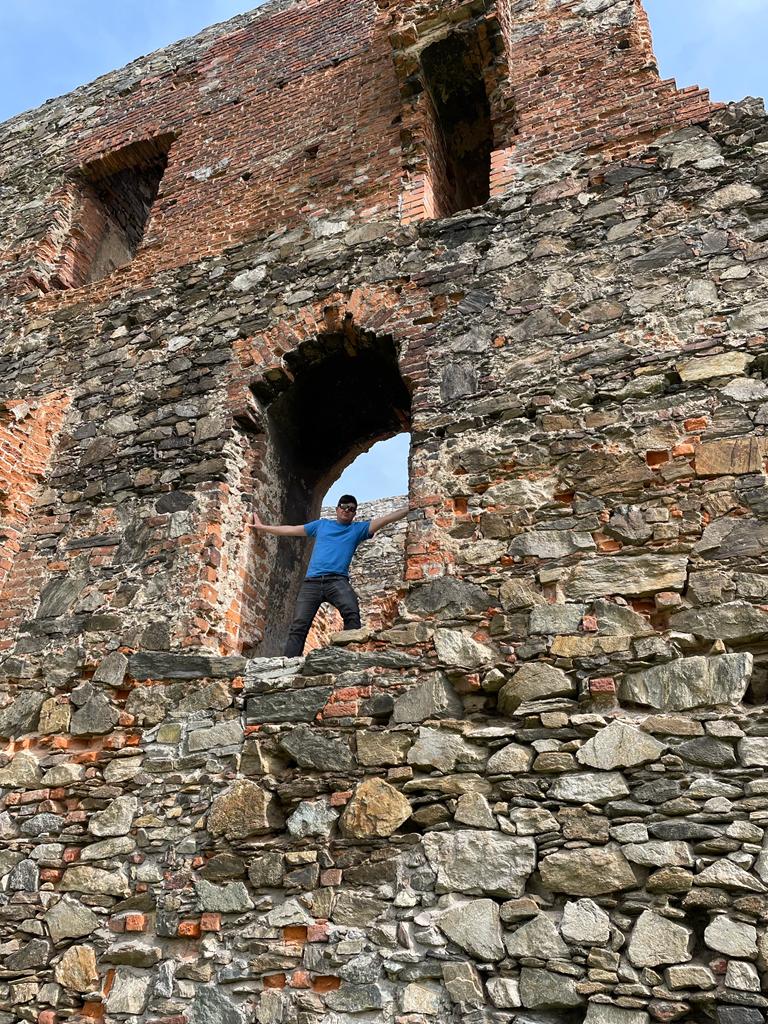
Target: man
x=327, y=576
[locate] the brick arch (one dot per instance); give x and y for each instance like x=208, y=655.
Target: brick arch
x=270, y=363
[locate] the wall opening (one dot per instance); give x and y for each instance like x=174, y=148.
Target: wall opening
x=336, y=396
x=460, y=137
x=112, y=199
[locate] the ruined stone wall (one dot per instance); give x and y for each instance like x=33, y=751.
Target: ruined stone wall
x=535, y=792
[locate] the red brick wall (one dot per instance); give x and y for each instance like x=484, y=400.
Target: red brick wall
x=27, y=434
x=309, y=110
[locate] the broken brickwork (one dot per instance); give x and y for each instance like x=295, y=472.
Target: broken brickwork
x=532, y=789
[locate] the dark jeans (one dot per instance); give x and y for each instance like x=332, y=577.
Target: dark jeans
x=315, y=590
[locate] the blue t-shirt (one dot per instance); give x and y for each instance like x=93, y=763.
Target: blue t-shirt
x=335, y=544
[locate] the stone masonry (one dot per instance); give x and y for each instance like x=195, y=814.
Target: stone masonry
x=532, y=789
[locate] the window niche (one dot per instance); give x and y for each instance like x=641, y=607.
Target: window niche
x=338, y=395
x=460, y=141
x=111, y=201
x=457, y=111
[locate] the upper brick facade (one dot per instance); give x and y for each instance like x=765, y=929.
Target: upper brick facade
x=242, y=115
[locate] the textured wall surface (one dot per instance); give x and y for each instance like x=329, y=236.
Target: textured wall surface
x=533, y=789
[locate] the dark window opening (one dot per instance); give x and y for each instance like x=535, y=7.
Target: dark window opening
x=459, y=150
x=113, y=201
x=341, y=394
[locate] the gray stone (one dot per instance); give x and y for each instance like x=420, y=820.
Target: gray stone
x=693, y=976
x=443, y=750
x=742, y=976
x=629, y=526
x=81, y=878
x=539, y=938
x=464, y=984
x=107, y=848
x=585, y=923
x=473, y=809
x=42, y=825
x=244, y=810
x=111, y=670
x=690, y=683
x=724, y=364
x=551, y=543
x=58, y=596
x=753, y=751
x=618, y=620
x=589, y=787
x=534, y=681
x=619, y=745
x=476, y=928
x=22, y=772
x=504, y=993
x=592, y=872
x=433, y=698
x=545, y=990
x=458, y=650
x=477, y=862
x=707, y=751
x=633, y=576
x=231, y=898
x=69, y=919
x=312, y=818
x=21, y=715
x=656, y=940
x=733, y=938
x=448, y=597
x=33, y=954
x=607, y=1013
x=123, y=769
x=556, y=619
x=222, y=734
x=739, y=1015
x=724, y=874
x=266, y=872
x=129, y=993
x=736, y=622
x=514, y=759
x=658, y=854
x=288, y=705
x=379, y=749
x=355, y=998
x=96, y=717
x=24, y=877
x=313, y=748
x=116, y=819
x=63, y=774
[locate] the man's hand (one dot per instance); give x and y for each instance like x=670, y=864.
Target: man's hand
x=257, y=523
x=391, y=517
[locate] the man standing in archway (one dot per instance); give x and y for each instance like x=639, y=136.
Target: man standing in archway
x=327, y=576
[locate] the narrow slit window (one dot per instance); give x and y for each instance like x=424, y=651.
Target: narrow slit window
x=113, y=200
x=461, y=142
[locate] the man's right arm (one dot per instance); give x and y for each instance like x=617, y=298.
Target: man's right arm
x=278, y=531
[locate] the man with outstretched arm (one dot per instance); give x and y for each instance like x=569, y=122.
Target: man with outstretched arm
x=327, y=576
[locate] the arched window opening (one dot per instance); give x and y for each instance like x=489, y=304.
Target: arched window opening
x=379, y=480
x=461, y=142
x=338, y=395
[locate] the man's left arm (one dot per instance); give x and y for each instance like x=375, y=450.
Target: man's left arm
x=391, y=517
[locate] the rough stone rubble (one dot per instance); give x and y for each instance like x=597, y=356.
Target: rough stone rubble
x=532, y=791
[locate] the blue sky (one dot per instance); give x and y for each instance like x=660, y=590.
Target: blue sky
x=48, y=47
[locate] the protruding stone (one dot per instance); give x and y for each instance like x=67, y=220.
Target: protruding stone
x=312, y=818
x=514, y=759
x=690, y=682
x=444, y=750
x=585, y=923
x=21, y=715
x=656, y=940
x=589, y=787
x=232, y=898
x=376, y=809
x=629, y=576
x=619, y=745
x=314, y=748
x=130, y=992
x=534, y=681
x=69, y=919
x=456, y=649
x=477, y=862
x=433, y=698
x=116, y=819
x=244, y=810
x=22, y=772
x=80, y=878
x=464, y=984
x=607, y=1013
x=593, y=872
x=539, y=938
x=546, y=990
x=724, y=874
x=476, y=928
x=733, y=938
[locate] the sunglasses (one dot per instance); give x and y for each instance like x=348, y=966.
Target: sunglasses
x=347, y=508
